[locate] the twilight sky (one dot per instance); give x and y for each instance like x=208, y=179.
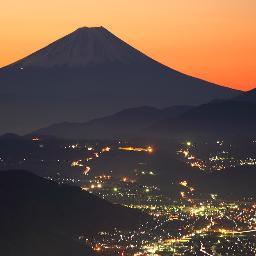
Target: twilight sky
x=211, y=39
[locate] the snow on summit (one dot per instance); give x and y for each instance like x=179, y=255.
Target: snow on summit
x=87, y=74
x=84, y=47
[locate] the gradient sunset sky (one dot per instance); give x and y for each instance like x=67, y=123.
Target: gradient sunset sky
x=211, y=39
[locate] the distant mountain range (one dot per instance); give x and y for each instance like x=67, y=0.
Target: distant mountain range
x=126, y=123
x=40, y=217
x=249, y=96
x=233, y=116
x=91, y=73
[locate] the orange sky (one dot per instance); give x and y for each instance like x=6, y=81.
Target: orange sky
x=211, y=39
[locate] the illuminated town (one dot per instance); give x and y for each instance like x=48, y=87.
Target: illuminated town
x=185, y=220
x=128, y=128
x=222, y=156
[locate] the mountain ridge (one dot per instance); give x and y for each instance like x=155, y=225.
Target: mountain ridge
x=233, y=116
x=91, y=73
x=125, y=123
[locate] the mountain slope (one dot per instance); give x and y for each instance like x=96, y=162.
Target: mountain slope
x=87, y=74
x=39, y=217
x=83, y=48
x=234, y=116
x=126, y=123
x=249, y=96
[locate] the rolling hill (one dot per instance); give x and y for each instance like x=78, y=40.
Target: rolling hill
x=40, y=217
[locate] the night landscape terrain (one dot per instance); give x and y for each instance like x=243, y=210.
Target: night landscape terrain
x=105, y=151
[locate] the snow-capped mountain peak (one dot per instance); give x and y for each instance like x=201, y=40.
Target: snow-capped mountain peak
x=83, y=47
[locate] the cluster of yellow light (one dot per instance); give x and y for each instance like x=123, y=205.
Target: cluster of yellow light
x=103, y=177
x=150, y=149
x=76, y=163
x=184, y=183
x=106, y=149
x=86, y=170
x=191, y=189
x=174, y=217
x=248, y=161
x=130, y=148
x=98, y=185
x=183, y=194
x=226, y=231
x=198, y=164
x=196, y=211
x=125, y=179
x=97, y=248
x=149, y=173
x=185, y=153
x=152, y=248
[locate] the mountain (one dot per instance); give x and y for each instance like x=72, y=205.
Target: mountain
x=81, y=49
x=10, y=137
x=249, y=96
x=232, y=117
x=126, y=123
x=87, y=74
x=40, y=217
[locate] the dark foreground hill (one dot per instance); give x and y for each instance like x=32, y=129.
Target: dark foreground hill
x=39, y=217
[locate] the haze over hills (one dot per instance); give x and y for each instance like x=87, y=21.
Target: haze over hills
x=87, y=74
x=126, y=123
x=234, y=116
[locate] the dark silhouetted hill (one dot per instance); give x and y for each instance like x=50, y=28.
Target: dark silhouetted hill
x=39, y=217
x=235, y=116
